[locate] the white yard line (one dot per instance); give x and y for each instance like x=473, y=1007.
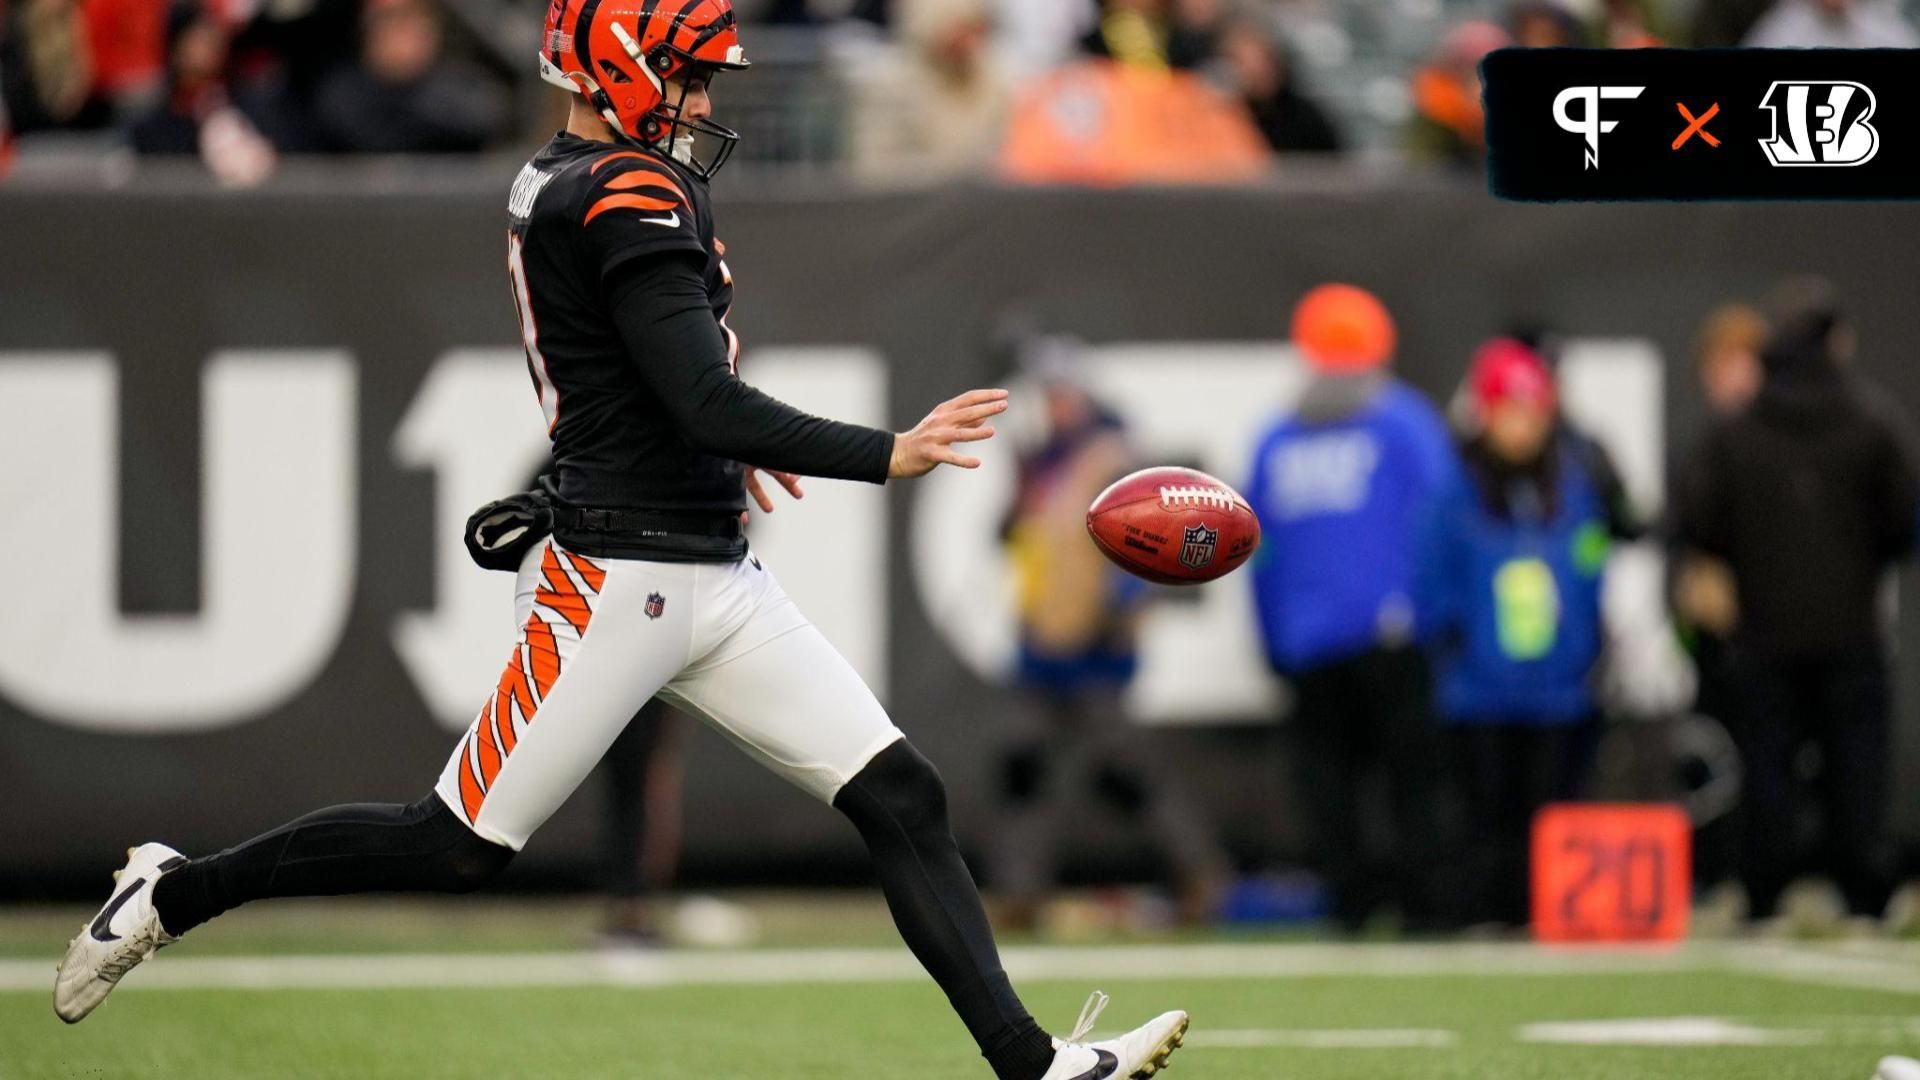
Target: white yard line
x=1890, y=967
x=1892, y=972
x=1657, y=1031
x=1325, y=1038
x=1665, y=1031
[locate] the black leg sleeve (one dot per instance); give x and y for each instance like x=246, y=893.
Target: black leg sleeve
x=1770, y=799
x=364, y=847
x=1402, y=700
x=899, y=804
x=1855, y=753
x=1329, y=768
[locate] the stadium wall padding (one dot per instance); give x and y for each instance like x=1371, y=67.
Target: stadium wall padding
x=163, y=287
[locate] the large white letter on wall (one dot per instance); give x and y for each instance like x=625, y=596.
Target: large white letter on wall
x=830, y=550
x=278, y=520
x=1616, y=391
x=477, y=425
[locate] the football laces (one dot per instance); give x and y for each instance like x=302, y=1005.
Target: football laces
x=1200, y=496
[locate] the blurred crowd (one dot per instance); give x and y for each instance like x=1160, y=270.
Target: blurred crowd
x=238, y=84
x=1100, y=91
x=1431, y=586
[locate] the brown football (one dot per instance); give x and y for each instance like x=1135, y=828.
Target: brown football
x=1174, y=526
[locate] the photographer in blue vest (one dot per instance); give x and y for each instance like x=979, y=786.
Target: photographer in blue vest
x=1509, y=599
x=1340, y=483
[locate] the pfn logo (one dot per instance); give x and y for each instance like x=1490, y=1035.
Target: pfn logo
x=1589, y=125
x=1825, y=124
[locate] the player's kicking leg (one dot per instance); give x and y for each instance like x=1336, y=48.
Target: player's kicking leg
x=553, y=714
x=773, y=684
x=160, y=895
x=126, y=931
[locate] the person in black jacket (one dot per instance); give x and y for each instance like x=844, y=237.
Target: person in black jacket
x=1260, y=69
x=404, y=95
x=1811, y=497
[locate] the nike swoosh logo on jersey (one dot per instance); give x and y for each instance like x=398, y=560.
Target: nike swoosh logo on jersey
x=671, y=221
x=102, y=928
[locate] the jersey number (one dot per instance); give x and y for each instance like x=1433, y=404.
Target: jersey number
x=530, y=335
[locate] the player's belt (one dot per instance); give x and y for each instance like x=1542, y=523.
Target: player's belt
x=645, y=523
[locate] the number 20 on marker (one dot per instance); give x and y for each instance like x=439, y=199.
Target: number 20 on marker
x=1611, y=872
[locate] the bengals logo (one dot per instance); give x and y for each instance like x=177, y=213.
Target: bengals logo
x=1820, y=124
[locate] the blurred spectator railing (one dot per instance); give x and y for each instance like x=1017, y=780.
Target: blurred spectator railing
x=1394, y=77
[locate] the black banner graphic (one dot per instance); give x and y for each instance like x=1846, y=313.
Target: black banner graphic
x=1631, y=124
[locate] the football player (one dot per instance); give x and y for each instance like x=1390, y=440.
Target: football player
x=647, y=584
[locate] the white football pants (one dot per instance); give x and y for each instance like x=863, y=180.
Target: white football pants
x=599, y=637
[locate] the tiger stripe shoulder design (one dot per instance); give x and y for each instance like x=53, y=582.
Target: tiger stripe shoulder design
x=632, y=203
x=636, y=181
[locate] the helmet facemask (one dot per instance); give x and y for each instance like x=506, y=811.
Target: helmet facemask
x=667, y=127
x=679, y=136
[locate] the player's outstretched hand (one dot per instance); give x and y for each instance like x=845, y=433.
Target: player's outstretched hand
x=931, y=443
x=785, y=479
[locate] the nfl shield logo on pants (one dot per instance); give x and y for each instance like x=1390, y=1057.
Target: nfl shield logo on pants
x=656, y=605
x=1196, y=550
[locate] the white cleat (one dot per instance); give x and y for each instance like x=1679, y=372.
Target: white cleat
x=1897, y=1068
x=126, y=931
x=1138, y=1054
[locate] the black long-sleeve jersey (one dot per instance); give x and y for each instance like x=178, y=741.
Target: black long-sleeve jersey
x=623, y=294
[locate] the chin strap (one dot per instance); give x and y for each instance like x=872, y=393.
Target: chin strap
x=581, y=83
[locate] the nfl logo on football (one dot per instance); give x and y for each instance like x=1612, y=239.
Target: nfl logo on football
x=656, y=605
x=1196, y=550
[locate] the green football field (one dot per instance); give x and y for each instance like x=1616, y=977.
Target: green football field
x=1818, y=1011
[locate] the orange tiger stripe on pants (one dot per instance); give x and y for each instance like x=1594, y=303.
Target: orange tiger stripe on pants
x=721, y=640
x=559, y=603
x=560, y=595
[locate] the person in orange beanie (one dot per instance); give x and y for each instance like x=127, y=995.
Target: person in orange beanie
x=1340, y=482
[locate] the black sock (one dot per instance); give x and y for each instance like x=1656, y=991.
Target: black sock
x=1026, y=1056
x=364, y=847
x=899, y=804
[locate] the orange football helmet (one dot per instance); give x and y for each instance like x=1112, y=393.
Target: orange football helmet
x=620, y=54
